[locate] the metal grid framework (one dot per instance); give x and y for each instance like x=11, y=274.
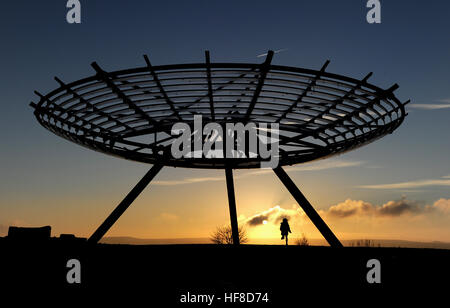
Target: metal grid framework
x=130, y=113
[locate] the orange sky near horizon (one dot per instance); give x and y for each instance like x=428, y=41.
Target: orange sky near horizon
x=183, y=209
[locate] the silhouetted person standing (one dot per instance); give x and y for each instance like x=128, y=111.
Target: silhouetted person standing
x=285, y=230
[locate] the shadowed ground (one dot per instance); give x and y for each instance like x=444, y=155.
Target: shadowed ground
x=165, y=272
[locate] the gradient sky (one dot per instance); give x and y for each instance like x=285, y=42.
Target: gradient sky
x=397, y=187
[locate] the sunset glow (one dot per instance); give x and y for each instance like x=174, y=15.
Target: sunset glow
x=394, y=188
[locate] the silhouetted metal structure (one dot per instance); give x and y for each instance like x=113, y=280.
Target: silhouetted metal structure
x=29, y=234
x=130, y=114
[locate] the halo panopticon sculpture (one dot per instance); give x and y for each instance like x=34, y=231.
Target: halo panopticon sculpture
x=130, y=114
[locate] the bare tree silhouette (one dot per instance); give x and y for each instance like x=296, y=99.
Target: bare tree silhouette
x=303, y=241
x=363, y=243
x=224, y=236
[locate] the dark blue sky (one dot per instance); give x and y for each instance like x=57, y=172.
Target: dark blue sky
x=410, y=47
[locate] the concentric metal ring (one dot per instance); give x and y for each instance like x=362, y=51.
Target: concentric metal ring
x=130, y=113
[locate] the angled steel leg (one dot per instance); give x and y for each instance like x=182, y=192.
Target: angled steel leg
x=307, y=207
x=121, y=208
x=232, y=205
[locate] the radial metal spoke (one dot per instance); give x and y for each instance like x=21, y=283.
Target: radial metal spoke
x=161, y=89
x=210, y=91
x=115, y=89
x=264, y=68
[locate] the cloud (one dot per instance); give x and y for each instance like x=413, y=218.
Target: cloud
x=395, y=208
x=257, y=220
x=324, y=165
x=444, y=100
x=398, y=207
x=444, y=104
x=411, y=184
x=430, y=106
x=443, y=205
x=274, y=215
x=349, y=208
x=188, y=181
x=353, y=217
x=315, y=166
